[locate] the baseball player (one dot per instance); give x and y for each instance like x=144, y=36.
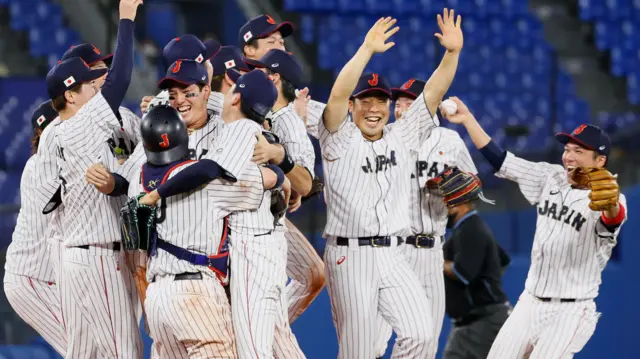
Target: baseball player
x=29, y=280
x=98, y=298
x=92, y=56
x=580, y=213
x=190, y=262
x=186, y=47
x=257, y=256
x=368, y=165
x=121, y=145
x=257, y=37
x=444, y=148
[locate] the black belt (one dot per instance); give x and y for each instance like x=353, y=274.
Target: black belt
x=188, y=276
x=423, y=241
x=561, y=300
x=115, y=246
x=370, y=241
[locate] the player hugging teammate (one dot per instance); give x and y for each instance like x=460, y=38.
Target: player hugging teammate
x=202, y=246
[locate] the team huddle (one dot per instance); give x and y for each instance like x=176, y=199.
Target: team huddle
x=177, y=220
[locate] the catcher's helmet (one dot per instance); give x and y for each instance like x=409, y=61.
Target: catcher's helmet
x=164, y=135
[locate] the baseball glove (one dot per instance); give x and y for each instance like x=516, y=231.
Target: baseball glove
x=605, y=191
x=316, y=188
x=137, y=224
x=278, y=206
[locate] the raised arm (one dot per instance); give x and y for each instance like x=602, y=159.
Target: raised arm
x=119, y=77
x=375, y=42
x=452, y=40
x=530, y=176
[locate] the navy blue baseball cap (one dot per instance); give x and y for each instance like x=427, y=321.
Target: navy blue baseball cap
x=283, y=63
x=410, y=89
x=89, y=53
x=69, y=73
x=189, y=47
x=588, y=136
x=229, y=57
x=262, y=26
x=372, y=84
x=257, y=91
x=184, y=72
x=43, y=115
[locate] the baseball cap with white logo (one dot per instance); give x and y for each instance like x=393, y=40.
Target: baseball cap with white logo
x=281, y=62
x=43, y=115
x=185, y=73
x=69, y=73
x=229, y=57
x=588, y=136
x=262, y=26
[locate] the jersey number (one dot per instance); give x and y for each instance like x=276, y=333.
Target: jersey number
x=162, y=213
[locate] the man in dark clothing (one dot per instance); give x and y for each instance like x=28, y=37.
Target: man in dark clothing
x=473, y=268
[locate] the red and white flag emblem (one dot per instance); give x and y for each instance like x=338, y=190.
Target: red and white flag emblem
x=229, y=64
x=248, y=36
x=40, y=120
x=199, y=59
x=70, y=81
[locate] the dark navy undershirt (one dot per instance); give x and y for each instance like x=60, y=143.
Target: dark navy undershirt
x=119, y=77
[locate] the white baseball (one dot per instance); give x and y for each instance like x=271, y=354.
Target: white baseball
x=449, y=107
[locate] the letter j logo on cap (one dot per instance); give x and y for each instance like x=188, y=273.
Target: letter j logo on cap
x=579, y=130
x=176, y=67
x=374, y=80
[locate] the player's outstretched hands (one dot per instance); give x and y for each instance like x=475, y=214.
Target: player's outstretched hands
x=301, y=103
x=462, y=114
x=129, y=8
x=101, y=178
x=380, y=32
x=451, y=33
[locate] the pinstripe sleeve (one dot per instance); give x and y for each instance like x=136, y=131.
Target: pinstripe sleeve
x=90, y=127
x=334, y=145
x=246, y=194
x=289, y=127
x=46, y=167
x=133, y=163
x=463, y=158
x=134, y=122
x=417, y=123
x=315, y=110
x=235, y=147
x=531, y=177
x=215, y=101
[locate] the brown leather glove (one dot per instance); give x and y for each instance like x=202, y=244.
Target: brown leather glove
x=605, y=191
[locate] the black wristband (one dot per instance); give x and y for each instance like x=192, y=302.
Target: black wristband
x=287, y=164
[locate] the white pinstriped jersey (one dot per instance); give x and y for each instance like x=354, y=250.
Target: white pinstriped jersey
x=46, y=168
x=444, y=148
x=289, y=127
x=215, y=101
x=27, y=254
x=200, y=143
x=84, y=139
x=571, y=246
x=367, y=184
x=194, y=220
x=233, y=150
x=315, y=110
